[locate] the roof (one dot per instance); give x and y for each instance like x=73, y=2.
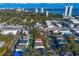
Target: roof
x=39, y=44
x=63, y=29
x=74, y=21
x=23, y=41
x=59, y=25
x=37, y=47
x=2, y=43
x=55, y=29
x=51, y=26
x=49, y=22
x=25, y=38
x=76, y=30
x=38, y=39
x=20, y=46
x=9, y=31
x=60, y=37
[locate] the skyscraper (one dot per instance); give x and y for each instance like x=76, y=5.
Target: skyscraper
x=70, y=11
x=42, y=10
x=66, y=10
x=36, y=10
x=47, y=13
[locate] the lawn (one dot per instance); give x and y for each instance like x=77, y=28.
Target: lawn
x=7, y=40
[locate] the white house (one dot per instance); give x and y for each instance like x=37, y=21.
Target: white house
x=48, y=22
x=37, y=47
x=74, y=21
x=2, y=43
x=5, y=32
x=64, y=30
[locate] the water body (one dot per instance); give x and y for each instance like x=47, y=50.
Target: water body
x=57, y=8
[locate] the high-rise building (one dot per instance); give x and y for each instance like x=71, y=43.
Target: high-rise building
x=18, y=9
x=66, y=10
x=70, y=11
x=42, y=10
x=47, y=13
x=36, y=10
